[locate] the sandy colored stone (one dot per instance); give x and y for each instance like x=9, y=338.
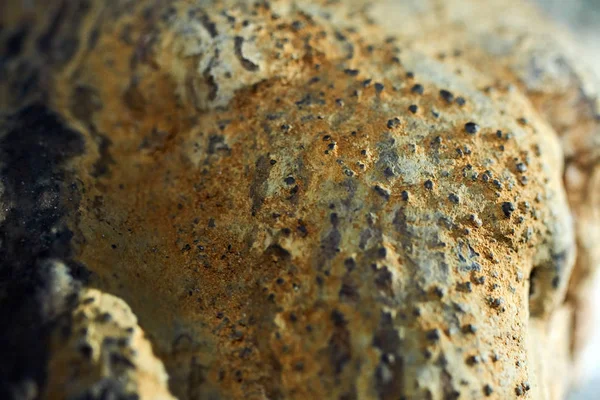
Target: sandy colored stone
x=105, y=349
x=312, y=199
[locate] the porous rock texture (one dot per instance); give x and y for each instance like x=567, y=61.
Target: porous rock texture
x=293, y=199
x=104, y=344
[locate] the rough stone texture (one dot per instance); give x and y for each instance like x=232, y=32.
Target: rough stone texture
x=105, y=355
x=296, y=199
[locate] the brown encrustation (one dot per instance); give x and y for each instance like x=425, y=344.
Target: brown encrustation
x=305, y=199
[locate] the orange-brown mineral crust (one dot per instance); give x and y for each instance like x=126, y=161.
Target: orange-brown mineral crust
x=296, y=199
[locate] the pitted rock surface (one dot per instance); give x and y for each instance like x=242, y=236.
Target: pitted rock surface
x=299, y=199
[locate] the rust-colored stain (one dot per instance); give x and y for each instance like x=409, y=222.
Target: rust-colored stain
x=297, y=200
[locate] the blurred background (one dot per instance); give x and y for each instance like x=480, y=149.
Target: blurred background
x=582, y=17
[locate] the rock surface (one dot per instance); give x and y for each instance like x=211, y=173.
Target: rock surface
x=106, y=352
x=293, y=199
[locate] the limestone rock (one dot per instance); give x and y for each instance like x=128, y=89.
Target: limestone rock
x=295, y=199
x=104, y=352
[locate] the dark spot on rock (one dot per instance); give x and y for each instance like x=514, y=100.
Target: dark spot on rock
x=469, y=329
x=330, y=245
x=488, y=390
x=519, y=391
x=301, y=228
x=447, y=96
x=339, y=346
x=472, y=360
x=508, y=208
x=117, y=359
x=105, y=317
x=465, y=287
x=351, y=72
x=349, y=293
x=236, y=335
x=433, y=335
x=496, y=302
x=299, y=366
x=383, y=281
x=471, y=128
x=208, y=25
x=392, y=123
x=350, y=264
x=14, y=44
x=388, y=375
x=386, y=337
x=428, y=184
x=479, y=280
x=379, y=87
x=460, y=101
x=413, y=108
x=213, y=88
x=217, y=145
x=334, y=219
x=86, y=351
x=275, y=254
x=383, y=192
x=453, y=198
x=418, y=89
x=247, y=64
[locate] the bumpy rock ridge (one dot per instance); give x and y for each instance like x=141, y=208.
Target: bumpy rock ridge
x=105, y=352
x=296, y=204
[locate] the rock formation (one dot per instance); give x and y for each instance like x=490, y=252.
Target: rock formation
x=293, y=199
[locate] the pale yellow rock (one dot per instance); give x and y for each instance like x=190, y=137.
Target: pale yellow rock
x=330, y=199
x=105, y=347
